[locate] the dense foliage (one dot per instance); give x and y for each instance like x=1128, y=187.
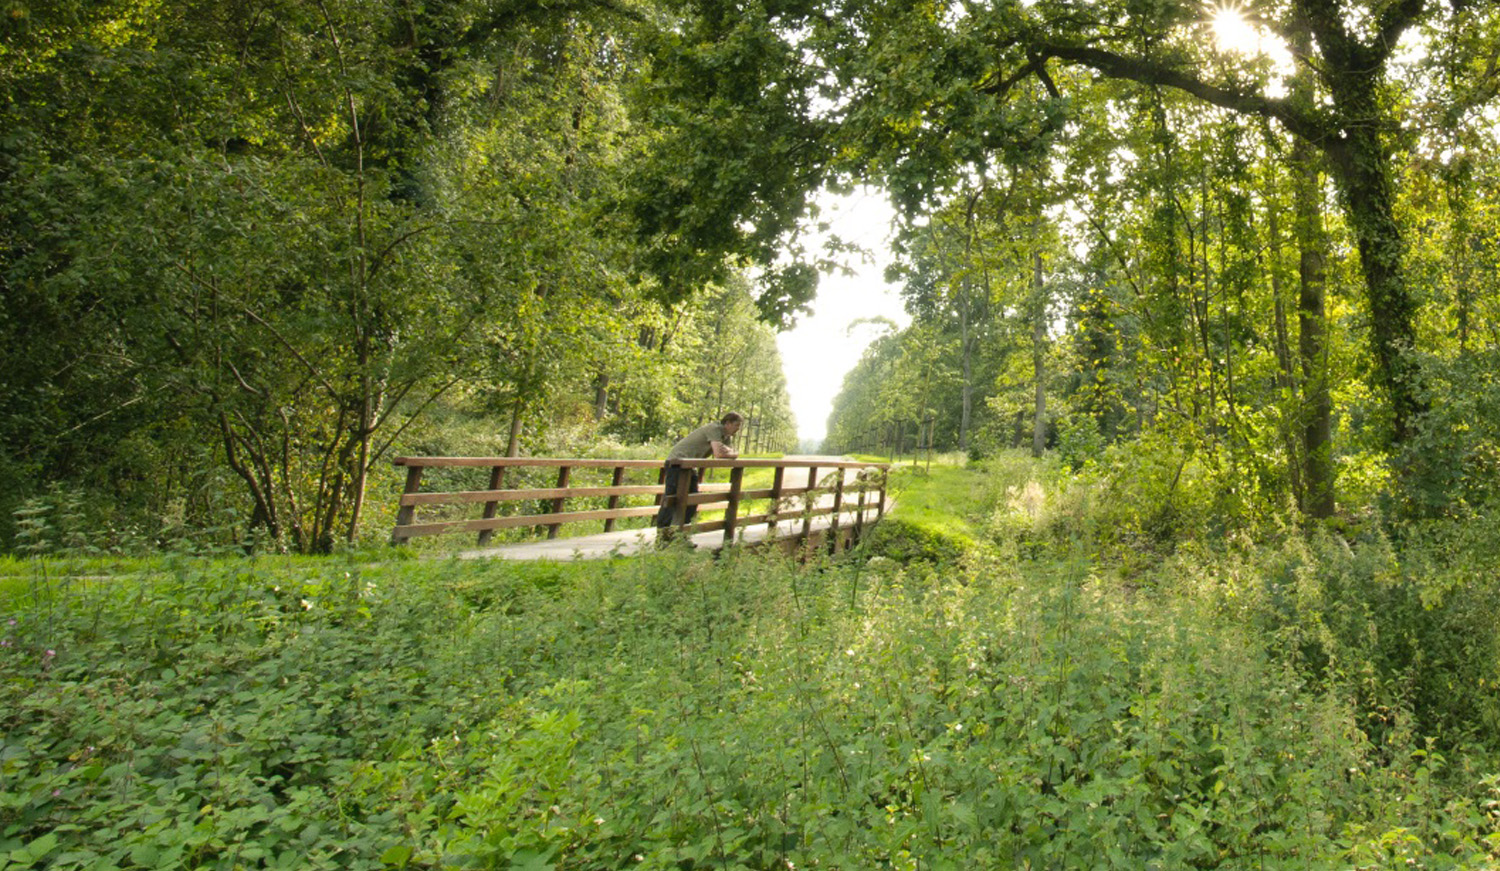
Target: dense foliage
x=1017, y=702
x=1262, y=230
x=247, y=250
x=250, y=252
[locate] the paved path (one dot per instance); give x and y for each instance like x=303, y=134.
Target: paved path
x=632, y=541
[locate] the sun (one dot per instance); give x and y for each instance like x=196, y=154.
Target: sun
x=1233, y=34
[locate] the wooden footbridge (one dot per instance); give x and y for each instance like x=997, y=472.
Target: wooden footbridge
x=796, y=503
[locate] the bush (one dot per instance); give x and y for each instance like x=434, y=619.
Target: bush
x=1451, y=465
x=906, y=542
x=1412, y=638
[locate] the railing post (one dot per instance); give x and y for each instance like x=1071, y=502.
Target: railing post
x=679, y=509
x=838, y=504
x=808, y=498
x=405, y=513
x=772, y=515
x=614, y=499
x=885, y=475
x=862, y=478
x=497, y=480
x=732, y=510
x=557, y=504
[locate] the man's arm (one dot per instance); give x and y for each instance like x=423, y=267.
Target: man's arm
x=723, y=451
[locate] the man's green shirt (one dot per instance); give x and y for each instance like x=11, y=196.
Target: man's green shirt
x=698, y=444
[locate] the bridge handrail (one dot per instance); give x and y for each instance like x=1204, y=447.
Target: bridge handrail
x=731, y=495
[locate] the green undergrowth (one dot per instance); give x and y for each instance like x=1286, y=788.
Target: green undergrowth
x=677, y=711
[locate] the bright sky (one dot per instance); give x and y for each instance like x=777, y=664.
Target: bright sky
x=821, y=349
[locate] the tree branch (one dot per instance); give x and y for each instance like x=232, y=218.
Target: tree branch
x=1394, y=20
x=1317, y=129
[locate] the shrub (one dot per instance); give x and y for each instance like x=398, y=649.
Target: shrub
x=907, y=542
x=1451, y=465
x=1411, y=637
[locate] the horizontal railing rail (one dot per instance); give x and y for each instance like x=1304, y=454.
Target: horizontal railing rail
x=849, y=495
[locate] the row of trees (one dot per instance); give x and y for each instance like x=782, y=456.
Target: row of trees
x=247, y=250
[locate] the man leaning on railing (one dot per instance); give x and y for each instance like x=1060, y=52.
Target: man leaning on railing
x=709, y=440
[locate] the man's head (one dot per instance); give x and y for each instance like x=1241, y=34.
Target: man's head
x=732, y=422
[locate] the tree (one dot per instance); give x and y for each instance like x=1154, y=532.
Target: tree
x=946, y=284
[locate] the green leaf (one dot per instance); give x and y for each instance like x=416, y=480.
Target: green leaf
x=530, y=860
x=34, y=851
x=398, y=855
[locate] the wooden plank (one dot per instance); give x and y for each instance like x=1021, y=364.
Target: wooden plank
x=458, y=497
x=590, y=463
x=859, y=513
x=773, y=493
x=768, y=518
x=784, y=464
x=838, y=502
x=708, y=526
x=701, y=498
x=519, y=520
x=767, y=493
x=776, y=494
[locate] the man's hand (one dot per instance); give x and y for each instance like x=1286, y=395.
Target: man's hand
x=723, y=451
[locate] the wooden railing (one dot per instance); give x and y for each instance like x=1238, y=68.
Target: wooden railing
x=854, y=494
x=797, y=500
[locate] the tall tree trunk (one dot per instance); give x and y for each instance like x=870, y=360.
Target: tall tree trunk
x=966, y=353
x=1462, y=261
x=370, y=411
x=1039, y=356
x=601, y=396
x=1286, y=379
x=1316, y=408
x=1371, y=201
x=1360, y=161
x=965, y=303
x=1312, y=320
x=517, y=412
